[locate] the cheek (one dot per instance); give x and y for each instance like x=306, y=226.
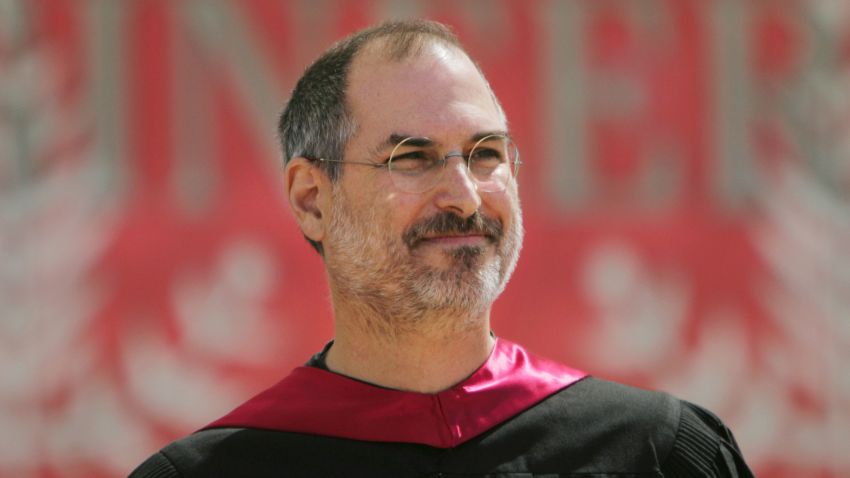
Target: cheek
x=400, y=210
x=504, y=206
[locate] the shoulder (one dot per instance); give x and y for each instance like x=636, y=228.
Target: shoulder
x=593, y=396
x=616, y=409
x=183, y=455
x=616, y=428
x=272, y=453
x=219, y=452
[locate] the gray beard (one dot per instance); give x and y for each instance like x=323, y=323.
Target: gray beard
x=393, y=291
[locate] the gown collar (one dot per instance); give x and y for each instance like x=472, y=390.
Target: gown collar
x=320, y=402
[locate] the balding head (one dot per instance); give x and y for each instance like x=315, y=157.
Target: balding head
x=316, y=122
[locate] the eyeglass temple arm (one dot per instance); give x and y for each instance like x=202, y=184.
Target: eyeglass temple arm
x=364, y=163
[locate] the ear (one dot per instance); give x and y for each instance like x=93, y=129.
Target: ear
x=308, y=189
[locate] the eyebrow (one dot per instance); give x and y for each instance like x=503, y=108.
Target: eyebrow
x=395, y=138
x=479, y=136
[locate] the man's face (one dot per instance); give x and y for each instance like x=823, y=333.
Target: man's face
x=450, y=249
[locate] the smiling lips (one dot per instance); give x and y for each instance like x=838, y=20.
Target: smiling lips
x=457, y=239
x=449, y=229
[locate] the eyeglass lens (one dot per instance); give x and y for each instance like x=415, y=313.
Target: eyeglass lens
x=491, y=163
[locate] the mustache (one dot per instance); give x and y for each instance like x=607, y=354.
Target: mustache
x=447, y=223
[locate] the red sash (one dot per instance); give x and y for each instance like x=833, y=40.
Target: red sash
x=315, y=401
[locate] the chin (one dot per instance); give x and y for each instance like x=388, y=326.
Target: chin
x=466, y=280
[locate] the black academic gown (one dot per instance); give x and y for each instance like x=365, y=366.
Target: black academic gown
x=517, y=416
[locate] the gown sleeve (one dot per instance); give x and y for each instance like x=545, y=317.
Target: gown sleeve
x=704, y=448
x=157, y=466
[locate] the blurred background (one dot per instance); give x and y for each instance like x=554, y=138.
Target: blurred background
x=686, y=185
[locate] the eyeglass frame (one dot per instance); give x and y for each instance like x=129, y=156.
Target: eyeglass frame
x=443, y=160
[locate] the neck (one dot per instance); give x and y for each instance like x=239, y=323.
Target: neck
x=425, y=359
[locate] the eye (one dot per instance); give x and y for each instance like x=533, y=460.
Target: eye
x=486, y=156
x=414, y=161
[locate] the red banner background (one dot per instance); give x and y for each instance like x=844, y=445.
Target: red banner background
x=686, y=185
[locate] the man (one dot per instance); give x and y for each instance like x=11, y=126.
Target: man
x=401, y=173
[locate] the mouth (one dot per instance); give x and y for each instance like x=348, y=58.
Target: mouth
x=449, y=230
x=455, y=240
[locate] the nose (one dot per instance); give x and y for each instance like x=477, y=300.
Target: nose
x=456, y=190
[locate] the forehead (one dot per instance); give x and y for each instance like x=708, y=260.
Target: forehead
x=437, y=92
